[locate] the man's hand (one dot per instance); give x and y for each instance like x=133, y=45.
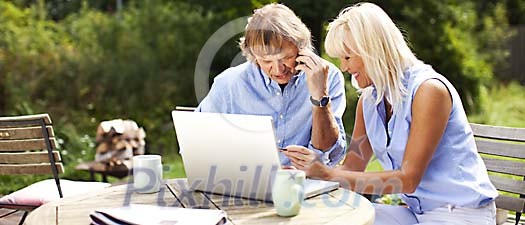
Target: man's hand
x=306, y=160
x=300, y=156
x=316, y=73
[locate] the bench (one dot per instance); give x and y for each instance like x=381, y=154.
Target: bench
x=503, y=151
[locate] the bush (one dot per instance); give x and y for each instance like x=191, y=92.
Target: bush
x=460, y=42
x=93, y=66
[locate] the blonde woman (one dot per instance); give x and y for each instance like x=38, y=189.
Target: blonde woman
x=412, y=119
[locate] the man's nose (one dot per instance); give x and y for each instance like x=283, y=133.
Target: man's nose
x=278, y=67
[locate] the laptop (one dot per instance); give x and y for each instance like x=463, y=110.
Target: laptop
x=233, y=154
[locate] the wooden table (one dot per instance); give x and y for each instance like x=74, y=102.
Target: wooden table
x=340, y=206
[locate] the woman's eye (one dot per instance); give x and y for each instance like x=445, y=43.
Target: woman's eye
x=347, y=58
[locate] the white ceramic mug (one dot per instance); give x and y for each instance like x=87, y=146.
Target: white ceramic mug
x=147, y=173
x=288, y=192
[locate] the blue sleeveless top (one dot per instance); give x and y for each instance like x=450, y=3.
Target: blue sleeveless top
x=456, y=174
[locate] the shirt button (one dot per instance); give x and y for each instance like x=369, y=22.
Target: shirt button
x=281, y=116
x=279, y=141
x=278, y=93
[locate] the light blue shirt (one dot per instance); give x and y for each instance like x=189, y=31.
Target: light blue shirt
x=456, y=174
x=246, y=89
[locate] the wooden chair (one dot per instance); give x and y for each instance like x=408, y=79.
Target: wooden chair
x=508, y=144
x=27, y=146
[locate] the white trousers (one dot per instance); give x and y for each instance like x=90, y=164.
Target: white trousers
x=448, y=215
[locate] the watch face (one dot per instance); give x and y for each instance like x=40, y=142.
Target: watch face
x=321, y=102
x=324, y=101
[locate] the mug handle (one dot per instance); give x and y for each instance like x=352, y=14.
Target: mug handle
x=298, y=193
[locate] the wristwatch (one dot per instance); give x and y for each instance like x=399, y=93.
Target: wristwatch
x=323, y=102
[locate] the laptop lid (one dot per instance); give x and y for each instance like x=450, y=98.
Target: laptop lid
x=232, y=154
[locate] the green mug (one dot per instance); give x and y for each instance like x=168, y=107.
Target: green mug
x=288, y=192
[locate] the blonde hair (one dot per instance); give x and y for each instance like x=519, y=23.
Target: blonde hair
x=368, y=32
x=268, y=27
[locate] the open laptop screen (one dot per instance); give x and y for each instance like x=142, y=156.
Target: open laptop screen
x=232, y=154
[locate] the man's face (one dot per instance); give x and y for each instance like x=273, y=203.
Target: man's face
x=280, y=67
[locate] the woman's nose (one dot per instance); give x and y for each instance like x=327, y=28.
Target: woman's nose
x=343, y=67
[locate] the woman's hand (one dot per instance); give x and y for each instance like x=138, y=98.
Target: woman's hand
x=316, y=70
x=318, y=170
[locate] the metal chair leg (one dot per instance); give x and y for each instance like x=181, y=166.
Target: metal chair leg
x=9, y=213
x=23, y=218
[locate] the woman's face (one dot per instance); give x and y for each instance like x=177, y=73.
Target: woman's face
x=353, y=64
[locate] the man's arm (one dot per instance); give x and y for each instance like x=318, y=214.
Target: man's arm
x=324, y=128
x=328, y=135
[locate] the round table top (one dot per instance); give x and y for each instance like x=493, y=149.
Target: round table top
x=340, y=206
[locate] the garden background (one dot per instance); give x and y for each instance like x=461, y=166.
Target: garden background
x=88, y=61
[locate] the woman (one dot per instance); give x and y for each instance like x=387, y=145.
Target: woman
x=412, y=119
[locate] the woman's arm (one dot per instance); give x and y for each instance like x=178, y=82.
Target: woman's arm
x=430, y=113
x=359, y=151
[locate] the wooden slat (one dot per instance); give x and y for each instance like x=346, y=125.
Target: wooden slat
x=501, y=148
x=28, y=157
x=505, y=166
x=188, y=198
x=45, y=116
x=43, y=168
x=22, y=145
x=498, y=132
x=24, y=133
x=508, y=185
x=509, y=203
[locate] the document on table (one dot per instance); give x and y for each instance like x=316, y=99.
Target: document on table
x=151, y=214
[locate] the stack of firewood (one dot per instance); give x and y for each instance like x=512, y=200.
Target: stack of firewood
x=118, y=141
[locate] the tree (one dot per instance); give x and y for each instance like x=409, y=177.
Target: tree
x=460, y=42
x=315, y=14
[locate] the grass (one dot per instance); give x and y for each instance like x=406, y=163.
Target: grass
x=173, y=167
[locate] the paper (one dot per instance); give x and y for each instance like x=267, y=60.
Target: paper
x=150, y=214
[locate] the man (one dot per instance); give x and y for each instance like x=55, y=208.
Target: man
x=285, y=79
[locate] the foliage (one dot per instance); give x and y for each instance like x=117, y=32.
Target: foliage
x=391, y=199
x=461, y=43
x=502, y=106
x=92, y=66
x=83, y=62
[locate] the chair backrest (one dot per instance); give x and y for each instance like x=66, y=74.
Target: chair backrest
x=28, y=146
x=503, y=151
